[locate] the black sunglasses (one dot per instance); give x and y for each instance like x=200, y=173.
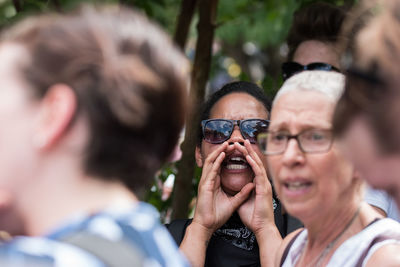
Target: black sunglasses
x=217, y=131
x=291, y=68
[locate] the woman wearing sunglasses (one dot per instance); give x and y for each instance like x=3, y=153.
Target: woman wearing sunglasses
x=318, y=185
x=235, y=202
x=312, y=39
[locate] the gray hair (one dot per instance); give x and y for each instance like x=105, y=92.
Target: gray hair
x=329, y=83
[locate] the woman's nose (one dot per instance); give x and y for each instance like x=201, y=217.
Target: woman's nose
x=236, y=136
x=293, y=155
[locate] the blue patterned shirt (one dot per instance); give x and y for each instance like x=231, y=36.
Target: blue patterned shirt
x=138, y=225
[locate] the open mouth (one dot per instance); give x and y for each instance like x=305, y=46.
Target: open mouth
x=297, y=185
x=235, y=162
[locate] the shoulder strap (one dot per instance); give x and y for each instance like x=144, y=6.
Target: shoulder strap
x=286, y=251
x=118, y=253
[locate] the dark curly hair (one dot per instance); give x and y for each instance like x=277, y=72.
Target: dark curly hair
x=318, y=21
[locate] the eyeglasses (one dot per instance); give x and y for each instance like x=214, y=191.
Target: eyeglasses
x=310, y=141
x=217, y=131
x=291, y=68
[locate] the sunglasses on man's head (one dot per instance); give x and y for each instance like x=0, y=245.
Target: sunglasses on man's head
x=217, y=131
x=291, y=68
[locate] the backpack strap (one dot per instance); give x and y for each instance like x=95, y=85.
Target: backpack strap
x=286, y=251
x=117, y=253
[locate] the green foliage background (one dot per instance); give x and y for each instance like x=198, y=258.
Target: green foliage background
x=264, y=23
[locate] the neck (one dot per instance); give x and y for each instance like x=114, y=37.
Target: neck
x=323, y=231
x=56, y=198
x=317, y=251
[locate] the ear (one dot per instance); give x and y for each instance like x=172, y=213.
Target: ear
x=199, y=157
x=57, y=109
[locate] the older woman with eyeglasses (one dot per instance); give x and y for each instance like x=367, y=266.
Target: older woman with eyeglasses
x=318, y=185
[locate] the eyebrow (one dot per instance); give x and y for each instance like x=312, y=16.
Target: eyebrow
x=284, y=126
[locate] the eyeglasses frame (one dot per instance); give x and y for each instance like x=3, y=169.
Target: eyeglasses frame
x=296, y=137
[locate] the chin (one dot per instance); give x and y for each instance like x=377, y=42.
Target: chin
x=232, y=186
x=305, y=211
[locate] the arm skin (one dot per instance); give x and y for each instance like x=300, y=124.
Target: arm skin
x=257, y=212
x=283, y=245
x=379, y=210
x=386, y=256
x=213, y=207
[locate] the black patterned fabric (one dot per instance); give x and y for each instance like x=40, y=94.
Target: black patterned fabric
x=234, y=244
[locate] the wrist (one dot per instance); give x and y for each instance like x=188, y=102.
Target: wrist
x=200, y=232
x=266, y=232
x=195, y=242
x=269, y=241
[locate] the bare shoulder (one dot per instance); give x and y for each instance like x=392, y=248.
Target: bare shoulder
x=387, y=256
x=284, y=244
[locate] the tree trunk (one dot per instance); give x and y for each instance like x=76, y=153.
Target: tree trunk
x=184, y=21
x=57, y=5
x=200, y=74
x=17, y=6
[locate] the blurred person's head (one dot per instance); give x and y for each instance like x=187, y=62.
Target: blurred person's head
x=309, y=173
x=89, y=100
x=367, y=115
x=313, y=38
x=242, y=101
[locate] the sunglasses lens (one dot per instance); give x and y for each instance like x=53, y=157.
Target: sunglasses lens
x=319, y=66
x=290, y=68
x=217, y=131
x=251, y=128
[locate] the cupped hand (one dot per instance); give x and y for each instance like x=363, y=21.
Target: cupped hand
x=214, y=206
x=257, y=212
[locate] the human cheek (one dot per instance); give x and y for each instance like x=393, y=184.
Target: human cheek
x=379, y=174
x=207, y=149
x=12, y=175
x=331, y=170
x=352, y=153
x=262, y=157
x=273, y=163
